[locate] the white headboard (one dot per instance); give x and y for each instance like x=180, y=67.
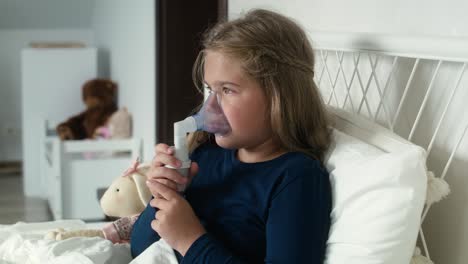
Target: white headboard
x=415, y=87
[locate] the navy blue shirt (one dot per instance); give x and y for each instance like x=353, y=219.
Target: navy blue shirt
x=276, y=211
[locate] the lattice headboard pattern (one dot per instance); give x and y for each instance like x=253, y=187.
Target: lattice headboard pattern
x=407, y=85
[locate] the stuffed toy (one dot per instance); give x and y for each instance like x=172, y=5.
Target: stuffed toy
x=126, y=198
x=119, y=126
x=418, y=258
x=99, y=96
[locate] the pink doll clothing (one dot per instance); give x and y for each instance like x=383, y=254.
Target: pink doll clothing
x=120, y=230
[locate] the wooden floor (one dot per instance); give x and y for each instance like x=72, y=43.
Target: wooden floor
x=15, y=207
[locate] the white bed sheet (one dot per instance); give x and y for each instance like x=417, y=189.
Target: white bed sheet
x=24, y=243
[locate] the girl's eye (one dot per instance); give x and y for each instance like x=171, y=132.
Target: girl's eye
x=227, y=90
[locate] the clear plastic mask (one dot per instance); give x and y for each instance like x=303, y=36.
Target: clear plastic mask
x=211, y=117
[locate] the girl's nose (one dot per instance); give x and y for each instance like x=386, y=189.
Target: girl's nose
x=213, y=103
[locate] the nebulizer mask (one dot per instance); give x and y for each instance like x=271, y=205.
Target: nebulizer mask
x=210, y=118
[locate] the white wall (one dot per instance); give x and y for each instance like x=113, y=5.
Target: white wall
x=45, y=14
x=11, y=44
x=446, y=226
x=125, y=37
x=430, y=17
x=123, y=31
x=22, y=22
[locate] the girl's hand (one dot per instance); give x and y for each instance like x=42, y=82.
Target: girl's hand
x=175, y=220
x=167, y=176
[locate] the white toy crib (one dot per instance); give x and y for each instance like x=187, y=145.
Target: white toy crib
x=414, y=87
x=75, y=171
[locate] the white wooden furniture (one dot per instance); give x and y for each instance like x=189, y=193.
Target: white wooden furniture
x=51, y=89
x=74, y=171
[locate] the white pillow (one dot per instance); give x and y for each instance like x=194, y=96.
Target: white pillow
x=378, y=197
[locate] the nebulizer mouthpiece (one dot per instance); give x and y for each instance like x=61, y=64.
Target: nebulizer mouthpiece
x=210, y=118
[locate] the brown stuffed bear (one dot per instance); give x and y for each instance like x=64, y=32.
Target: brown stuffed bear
x=99, y=96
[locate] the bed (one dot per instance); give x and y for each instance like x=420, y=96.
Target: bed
x=414, y=88
x=24, y=243
x=394, y=102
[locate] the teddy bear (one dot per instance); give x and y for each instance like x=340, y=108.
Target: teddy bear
x=125, y=198
x=99, y=96
x=119, y=126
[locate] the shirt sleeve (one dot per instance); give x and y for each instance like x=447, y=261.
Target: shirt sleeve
x=207, y=250
x=142, y=235
x=299, y=218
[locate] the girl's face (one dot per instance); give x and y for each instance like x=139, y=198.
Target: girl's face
x=242, y=100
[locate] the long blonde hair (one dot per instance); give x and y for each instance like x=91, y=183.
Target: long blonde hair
x=275, y=51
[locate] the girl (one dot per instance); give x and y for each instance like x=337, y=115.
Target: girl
x=261, y=193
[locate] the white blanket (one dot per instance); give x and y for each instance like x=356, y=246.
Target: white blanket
x=24, y=243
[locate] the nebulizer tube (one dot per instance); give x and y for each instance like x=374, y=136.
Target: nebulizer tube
x=210, y=118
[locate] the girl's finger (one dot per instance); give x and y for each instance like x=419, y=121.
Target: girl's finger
x=155, y=225
x=168, y=183
x=165, y=192
x=160, y=204
x=162, y=159
x=167, y=173
x=161, y=147
x=153, y=191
